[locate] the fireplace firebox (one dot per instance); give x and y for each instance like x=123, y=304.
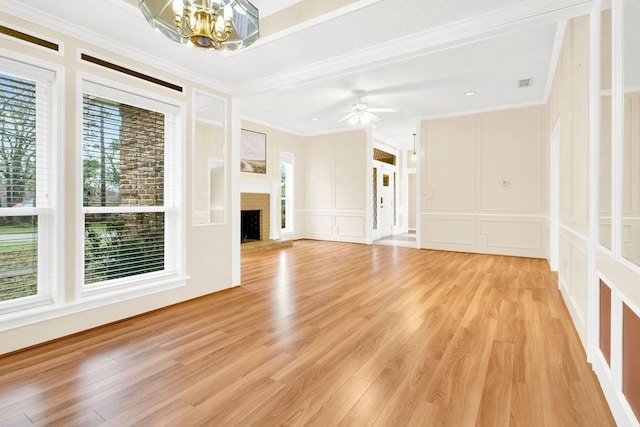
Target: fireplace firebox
x=250, y=225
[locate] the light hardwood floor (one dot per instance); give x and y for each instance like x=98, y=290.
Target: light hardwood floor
x=326, y=334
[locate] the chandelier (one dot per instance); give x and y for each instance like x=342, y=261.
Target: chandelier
x=209, y=24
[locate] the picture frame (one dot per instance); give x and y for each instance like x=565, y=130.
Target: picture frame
x=253, y=152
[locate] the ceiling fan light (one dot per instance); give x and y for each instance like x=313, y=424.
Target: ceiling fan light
x=365, y=119
x=353, y=120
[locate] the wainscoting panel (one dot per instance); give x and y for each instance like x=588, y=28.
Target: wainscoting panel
x=451, y=231
x=515, y=234
x=333, y=225
x=350, y=226
x=486, y=233
x=605, y=321
x=624, y=339
x=631, y=358
x=572, y=278
x=318, y=225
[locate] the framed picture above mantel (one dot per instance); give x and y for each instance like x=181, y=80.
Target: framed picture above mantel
x=253, y=152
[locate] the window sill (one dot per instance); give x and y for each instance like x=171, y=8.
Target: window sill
x=17, y=319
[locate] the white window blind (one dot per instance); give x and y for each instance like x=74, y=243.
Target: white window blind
x=27, y=185
x=128, y=187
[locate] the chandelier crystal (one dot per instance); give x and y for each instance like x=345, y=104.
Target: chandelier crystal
x=209, y=24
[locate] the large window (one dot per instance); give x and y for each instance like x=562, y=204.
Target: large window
x=286, y=193
x=27, y=186
x=128, y=186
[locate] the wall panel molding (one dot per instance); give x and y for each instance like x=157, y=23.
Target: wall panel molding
x=501, y=234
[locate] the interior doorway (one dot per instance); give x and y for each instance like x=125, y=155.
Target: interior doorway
x=384, y=203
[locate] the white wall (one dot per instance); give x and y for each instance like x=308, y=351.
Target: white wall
x=484, y=185
x=335, y=189
x=208, y=144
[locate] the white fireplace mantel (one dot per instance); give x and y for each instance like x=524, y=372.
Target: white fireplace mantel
x=273, y=189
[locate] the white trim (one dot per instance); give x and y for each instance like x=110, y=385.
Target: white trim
x=342, y=212
x=49, y=81
x=368, y=212
x=225, y=134
x=617, y=127
x=555, y=58
x=486, y=215
x=570, y=231
x=287, y=159
x=52, y=312
x=502, y=21
x=174, y=190
x=630, y=265
x=576, y=316
x=126, y=93
x=335, y=13
x=122, y=209
x=236, y=126
x=485, y=110
x=614, y=398
x=592, y=321
x=272, y=126
x=554, y=198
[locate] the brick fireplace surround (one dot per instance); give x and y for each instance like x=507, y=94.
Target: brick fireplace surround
x=258, y=201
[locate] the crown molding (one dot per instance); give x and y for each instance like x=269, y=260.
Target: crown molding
x=29, y=13
x=272, y=126
x=519, y=16
x=485, y=110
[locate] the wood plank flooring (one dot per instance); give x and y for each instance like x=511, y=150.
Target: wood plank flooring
x=327, y=334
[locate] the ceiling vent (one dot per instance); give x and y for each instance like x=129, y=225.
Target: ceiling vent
x=525, y=82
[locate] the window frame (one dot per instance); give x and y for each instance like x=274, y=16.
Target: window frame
x=173, y=200
x=48, y=210
x=287, y=161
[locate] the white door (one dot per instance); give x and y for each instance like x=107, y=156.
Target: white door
x=384, y=208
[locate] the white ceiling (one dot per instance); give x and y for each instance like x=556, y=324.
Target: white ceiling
x=269, y=7
x=418, y=56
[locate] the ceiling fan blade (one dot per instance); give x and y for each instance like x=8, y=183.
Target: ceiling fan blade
x=383, y=110
x=373, y=116
x=347, y=117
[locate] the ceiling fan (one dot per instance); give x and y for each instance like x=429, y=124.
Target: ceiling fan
x=361, y=114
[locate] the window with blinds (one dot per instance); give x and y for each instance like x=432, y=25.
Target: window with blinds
x=27, y=186
x=128, y=195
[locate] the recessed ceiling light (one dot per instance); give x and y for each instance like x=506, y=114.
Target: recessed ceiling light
x=470, y=93
x=315, y=119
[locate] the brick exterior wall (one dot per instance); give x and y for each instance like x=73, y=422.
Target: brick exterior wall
x=258, y=201
x=141, y=157
x=141, y=167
